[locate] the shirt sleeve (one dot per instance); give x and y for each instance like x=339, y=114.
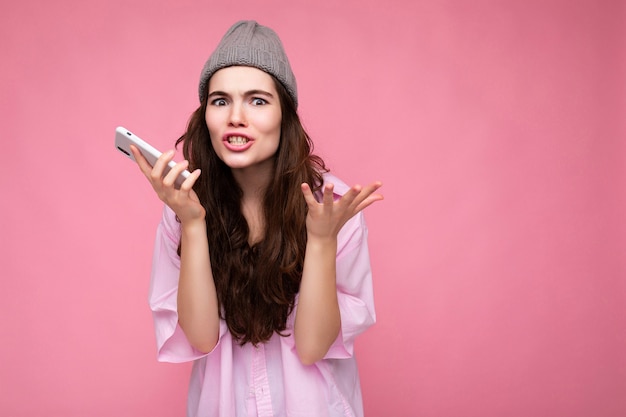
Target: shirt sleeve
x=354, y=287
x=172, y=344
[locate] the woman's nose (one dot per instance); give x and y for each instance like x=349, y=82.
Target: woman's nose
x=237, y=115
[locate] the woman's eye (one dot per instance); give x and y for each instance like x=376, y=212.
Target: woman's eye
x=258, y=101
x=219, y=102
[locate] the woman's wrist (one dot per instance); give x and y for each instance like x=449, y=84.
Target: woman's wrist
x=314, y=241
x=192, y=227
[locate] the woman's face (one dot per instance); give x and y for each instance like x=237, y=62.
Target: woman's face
x=243, y=115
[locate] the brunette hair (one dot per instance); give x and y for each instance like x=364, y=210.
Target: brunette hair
x=256, y=285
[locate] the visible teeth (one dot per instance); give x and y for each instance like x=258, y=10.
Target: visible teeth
x=237, y=140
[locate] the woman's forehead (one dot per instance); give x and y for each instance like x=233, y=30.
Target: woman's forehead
x=238, y=79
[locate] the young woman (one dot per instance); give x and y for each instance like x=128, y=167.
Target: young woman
x=261, y=270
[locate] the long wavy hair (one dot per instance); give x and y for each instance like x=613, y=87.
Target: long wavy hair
x=256, y=285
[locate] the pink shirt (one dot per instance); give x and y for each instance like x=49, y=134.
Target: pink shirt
x=243, y=381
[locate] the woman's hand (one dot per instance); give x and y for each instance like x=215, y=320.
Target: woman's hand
x=183, y=202
x=326, y=219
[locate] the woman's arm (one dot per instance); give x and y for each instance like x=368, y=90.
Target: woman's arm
x=318, y=320
x=198, y=313
x=197, y=306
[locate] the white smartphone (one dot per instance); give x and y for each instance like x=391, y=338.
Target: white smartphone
x=124, y=138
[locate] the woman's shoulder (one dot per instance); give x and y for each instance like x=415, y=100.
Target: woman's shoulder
x=355, y=226
x=169, y=222
x=340, y=187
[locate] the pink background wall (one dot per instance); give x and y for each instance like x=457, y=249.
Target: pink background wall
x=497, y=127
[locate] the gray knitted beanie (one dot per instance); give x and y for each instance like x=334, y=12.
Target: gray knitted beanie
x=249, y=44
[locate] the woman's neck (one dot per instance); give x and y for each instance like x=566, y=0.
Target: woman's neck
x=253, y=184
x=253, y=181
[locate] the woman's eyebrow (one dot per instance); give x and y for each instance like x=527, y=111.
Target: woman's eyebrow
x=217, y=93
x=259, y=92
